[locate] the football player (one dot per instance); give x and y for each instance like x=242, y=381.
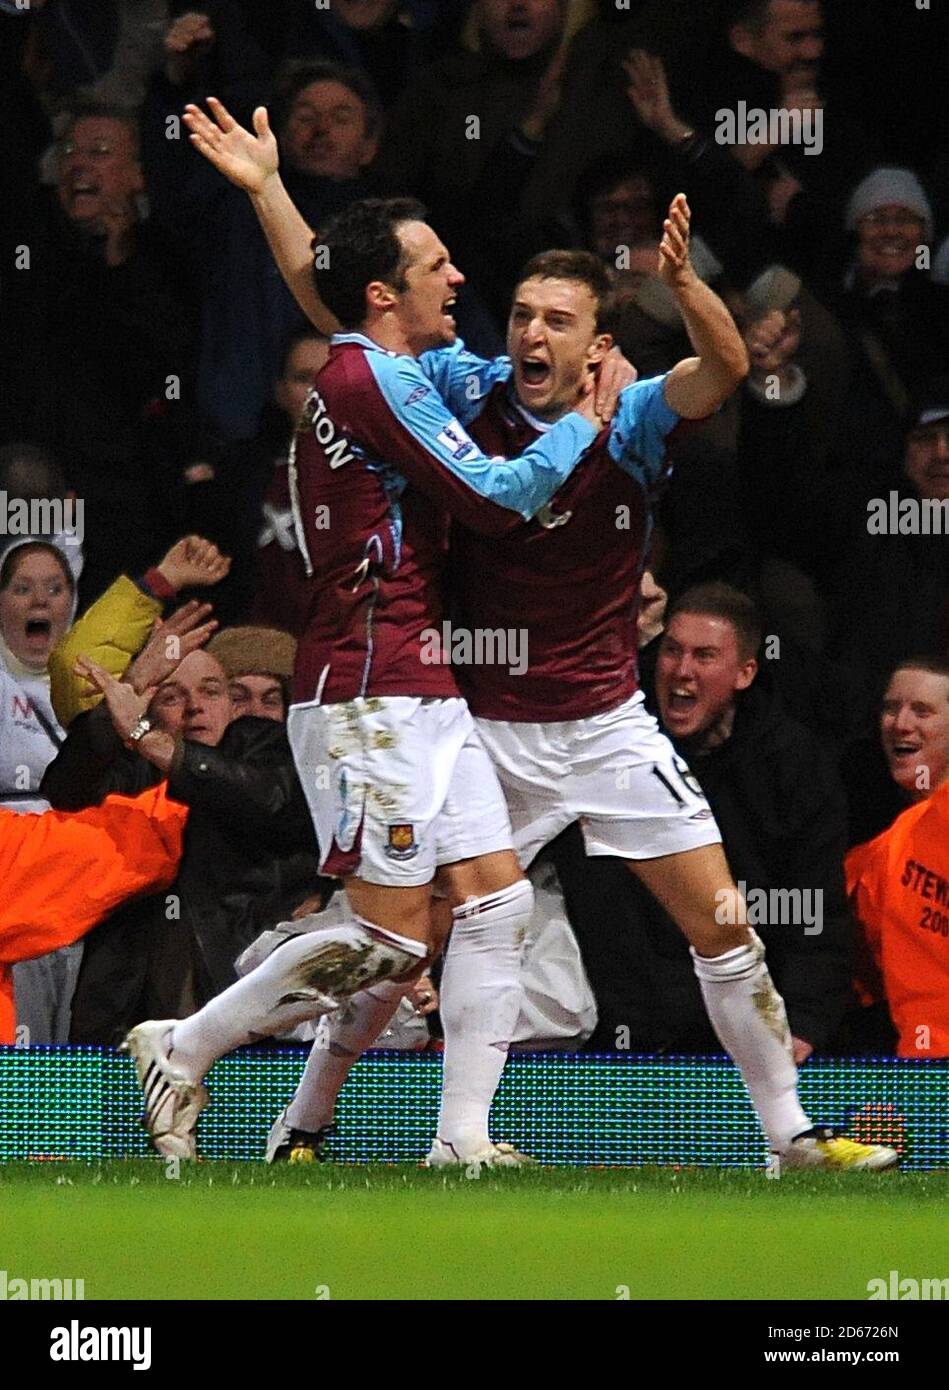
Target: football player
x=570, y=737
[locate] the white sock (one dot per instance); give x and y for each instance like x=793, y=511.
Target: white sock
x=748, y=1016
x=308, y=976
x=481, y=996
x=343, y=1037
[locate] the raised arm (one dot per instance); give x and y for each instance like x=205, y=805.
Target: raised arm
x=251, y=161
x=697, y=386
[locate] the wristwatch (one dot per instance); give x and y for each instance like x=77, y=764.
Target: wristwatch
x=142, y=727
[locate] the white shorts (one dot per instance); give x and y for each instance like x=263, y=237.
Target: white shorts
x=397, y=785
x=616, y=773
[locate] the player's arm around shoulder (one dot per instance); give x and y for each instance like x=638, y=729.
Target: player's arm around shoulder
x=462, y=378
x=697, y=386
x=416, y=432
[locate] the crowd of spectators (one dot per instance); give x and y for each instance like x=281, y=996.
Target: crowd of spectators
x=156, y=364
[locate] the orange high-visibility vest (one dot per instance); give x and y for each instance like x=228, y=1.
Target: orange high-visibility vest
x=899, y=886
x=63, y=871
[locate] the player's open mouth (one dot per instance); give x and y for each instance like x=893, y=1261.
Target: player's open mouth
x=534, y=372
x=38, y=628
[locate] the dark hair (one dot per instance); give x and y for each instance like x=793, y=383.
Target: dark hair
x=605, y=174
x=359, y=245
x=104, y=111
x=935, y=665
x=30, y=472
x=296, y=77
x=583, y=267
x=752, y=14
x=719, y=600
x=15, y=554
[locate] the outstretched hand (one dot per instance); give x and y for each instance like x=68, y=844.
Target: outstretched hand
x=648, y=89
x=187, y=629
x=247, y=158
x=125, y=705
x=675, y=267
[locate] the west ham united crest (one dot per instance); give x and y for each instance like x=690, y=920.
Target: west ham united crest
x=402, y=842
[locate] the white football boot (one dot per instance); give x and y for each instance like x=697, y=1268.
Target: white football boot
x=173, y=1100
x=442, y=1155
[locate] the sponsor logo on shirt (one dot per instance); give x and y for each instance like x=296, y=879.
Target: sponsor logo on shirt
x=418, y=394
x=456, y=441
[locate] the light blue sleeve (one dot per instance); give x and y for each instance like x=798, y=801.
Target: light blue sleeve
x=419, y=436
x=641, y=426
x=462, y=379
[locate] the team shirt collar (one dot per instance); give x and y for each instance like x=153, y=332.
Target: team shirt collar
x=360, y=339
x=544, y=426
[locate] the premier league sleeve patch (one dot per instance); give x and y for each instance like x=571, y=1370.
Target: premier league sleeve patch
x=402, y=843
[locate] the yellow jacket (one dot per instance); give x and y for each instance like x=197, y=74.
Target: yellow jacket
x=111, y=632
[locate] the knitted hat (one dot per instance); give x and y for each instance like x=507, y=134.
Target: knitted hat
x=890, y=187
x=254, y=651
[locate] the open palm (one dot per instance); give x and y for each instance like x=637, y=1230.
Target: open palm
x=247, y=158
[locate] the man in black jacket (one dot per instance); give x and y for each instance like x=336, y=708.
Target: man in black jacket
x=250, y=855
x=782, y=813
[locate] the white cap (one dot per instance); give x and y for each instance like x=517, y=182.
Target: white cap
x=890, y=187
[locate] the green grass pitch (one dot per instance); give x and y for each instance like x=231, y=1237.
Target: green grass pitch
x=245, y=1230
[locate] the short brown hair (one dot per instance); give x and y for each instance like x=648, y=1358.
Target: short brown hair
x=296, y=76
x=933, y=665
x=583, y=267
x=719, y=600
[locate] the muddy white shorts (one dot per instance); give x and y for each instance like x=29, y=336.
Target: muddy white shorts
x=397, y=786
x=616, y=773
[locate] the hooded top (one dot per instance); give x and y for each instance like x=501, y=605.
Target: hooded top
x=29, y=730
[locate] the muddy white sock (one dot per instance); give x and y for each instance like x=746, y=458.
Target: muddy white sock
x=343, y=1038
x=748, y=1016
x=310, y=975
